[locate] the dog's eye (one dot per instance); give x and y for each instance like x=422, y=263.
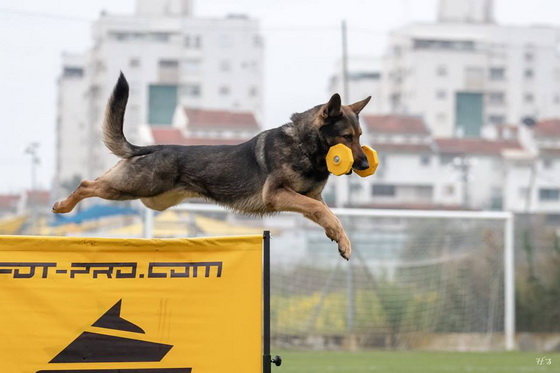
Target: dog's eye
x=348, y=137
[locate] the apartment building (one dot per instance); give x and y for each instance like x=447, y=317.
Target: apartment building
x=170, y=58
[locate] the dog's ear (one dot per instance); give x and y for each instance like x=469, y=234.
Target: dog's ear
x=332, y=108
x=358, y=106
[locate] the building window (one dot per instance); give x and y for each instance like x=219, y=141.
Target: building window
x=529, y=56
x=549, y=194
x=169, y=64
x=449, y=190
x=529, y=98
x=190, y=90
x=425, y=159
x=225, y=65
x=226, y=41
x=496, y=98
x=191, y=65
x=73, y=72
x=253, y=92
x=441, y=70
x=134, y=62
x=496, y=119
x=192, y=42
x=556, y=99
x=547, y=163
x=224, y=90
x=423, y=192
x=383, y=190
x=462, y=45
x=497, y=73
x=162, y=37
x=529, y=73
x=441, y=94
x=162, y=101
x=257, y=41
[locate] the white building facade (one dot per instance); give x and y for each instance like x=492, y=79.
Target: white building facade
x=170, y=58
x=465, y=73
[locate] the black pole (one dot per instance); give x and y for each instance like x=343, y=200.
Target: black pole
x=267, y=361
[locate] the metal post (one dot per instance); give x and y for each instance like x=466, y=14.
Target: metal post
x=267, y=361
x=345, y=90
x=148, y=231
x=509, y=285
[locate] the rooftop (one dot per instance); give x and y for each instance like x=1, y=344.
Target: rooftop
x=395, y=124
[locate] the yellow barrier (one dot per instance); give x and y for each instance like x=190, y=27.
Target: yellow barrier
x=131, y=305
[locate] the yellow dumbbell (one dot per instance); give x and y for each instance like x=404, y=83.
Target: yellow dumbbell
x=372, y=159
x=340, y=160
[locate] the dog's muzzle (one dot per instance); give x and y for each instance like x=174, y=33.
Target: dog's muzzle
x=361, y=164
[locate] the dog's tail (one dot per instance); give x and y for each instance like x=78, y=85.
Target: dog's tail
x=113, y=135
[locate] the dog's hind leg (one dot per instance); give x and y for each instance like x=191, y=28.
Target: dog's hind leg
x=87, y=189
x=283, y=199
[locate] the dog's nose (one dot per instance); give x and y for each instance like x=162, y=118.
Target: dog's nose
x=361, y=164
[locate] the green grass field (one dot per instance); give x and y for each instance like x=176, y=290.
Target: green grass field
x=415, y=362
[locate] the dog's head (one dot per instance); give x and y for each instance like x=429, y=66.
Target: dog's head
x=339, y=124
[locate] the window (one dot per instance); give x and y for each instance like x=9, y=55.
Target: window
x=224, y=90
x=226, y=41
x=529, y=98
x=76, y=72
x=547, y=163
x=441, y=70
x=191, y=65
x=383, y=190
x=192, y=41
x=169, y=64
x=497, y=73
x=423, y=192
x=425, y=159
x=449, y=190
x=160, y=36
x=162, y=100
x=253, y=92
x=190, y=90
x=549, y=194
x=529, y=73
x=225, y=65
x=441, y=94
x=134, y=62
x=496, y=119
x=462, y=45
x=496, y=98
x=257, y=41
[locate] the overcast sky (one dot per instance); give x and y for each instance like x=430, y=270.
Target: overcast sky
x=302, y=39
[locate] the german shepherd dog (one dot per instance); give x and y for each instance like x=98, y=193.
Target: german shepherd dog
x=281, y=169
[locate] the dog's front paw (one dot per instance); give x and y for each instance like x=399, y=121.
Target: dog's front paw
x=345, y=247
x=58, y=208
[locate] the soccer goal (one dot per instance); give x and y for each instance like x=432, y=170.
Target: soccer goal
x=416, y=280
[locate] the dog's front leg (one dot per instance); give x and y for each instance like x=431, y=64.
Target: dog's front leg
x=284, y=199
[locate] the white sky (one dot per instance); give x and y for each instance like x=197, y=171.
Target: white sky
x=302, y=44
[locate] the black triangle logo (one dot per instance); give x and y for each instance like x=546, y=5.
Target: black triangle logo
x=102, y=348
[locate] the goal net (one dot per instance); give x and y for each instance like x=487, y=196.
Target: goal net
x=433, y=280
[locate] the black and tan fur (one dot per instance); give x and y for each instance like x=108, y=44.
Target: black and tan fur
x=282, y=169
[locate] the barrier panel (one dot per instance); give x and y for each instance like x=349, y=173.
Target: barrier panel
x=133, y=305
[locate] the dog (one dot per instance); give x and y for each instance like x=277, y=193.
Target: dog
x=281, y=169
